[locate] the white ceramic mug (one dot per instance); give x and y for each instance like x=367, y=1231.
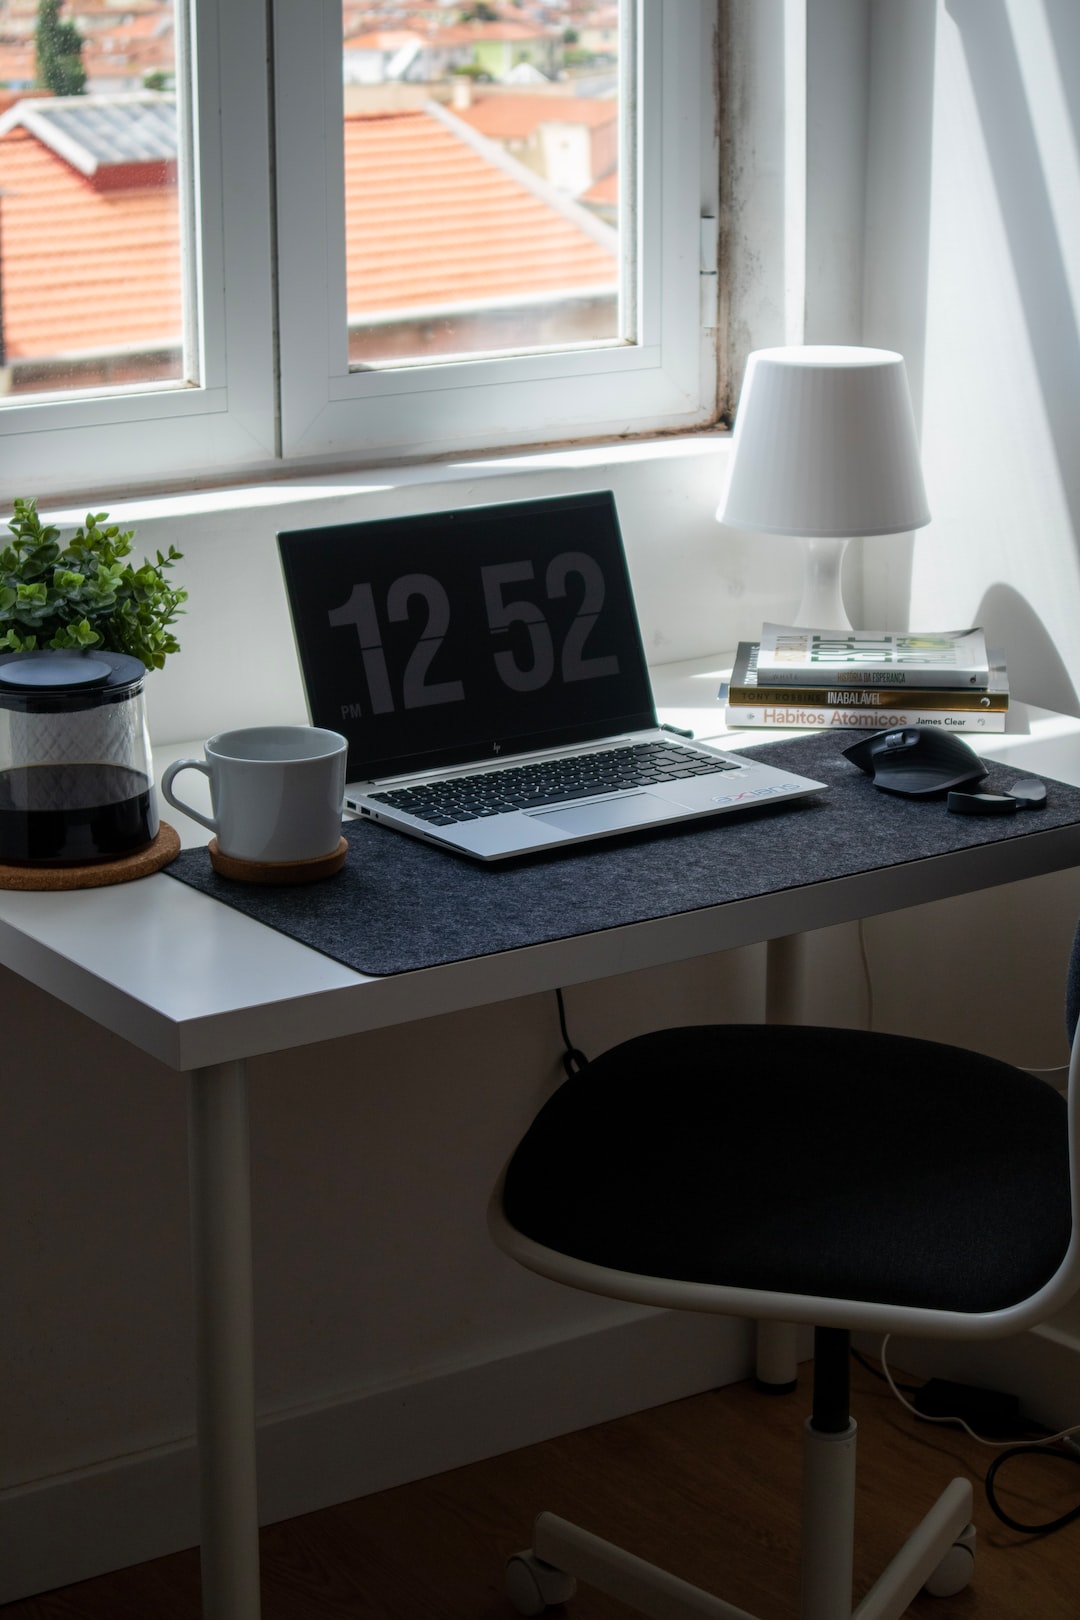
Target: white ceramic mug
x=277, y=792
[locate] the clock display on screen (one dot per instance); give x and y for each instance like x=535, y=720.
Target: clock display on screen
x=484, y=631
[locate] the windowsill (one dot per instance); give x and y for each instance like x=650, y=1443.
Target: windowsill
x=274, y=491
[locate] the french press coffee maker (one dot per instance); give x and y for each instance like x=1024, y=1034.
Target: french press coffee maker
x=76, y=777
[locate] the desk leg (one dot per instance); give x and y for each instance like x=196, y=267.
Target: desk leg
x=784, y=974
x=219, y=1153
x=777, y=1367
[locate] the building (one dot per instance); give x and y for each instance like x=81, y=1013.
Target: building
x=572, y=141
x=90, y=239
x=494, y=49
x=378, y=55
x=125, y=44
x=446, y=250
x=441, y=242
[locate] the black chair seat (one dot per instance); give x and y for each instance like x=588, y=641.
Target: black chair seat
x=803, y=1160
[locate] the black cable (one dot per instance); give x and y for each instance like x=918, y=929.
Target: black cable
x=863, y=1361
x=573, y=1059
x=1015, y=1524
x=1023, y=1449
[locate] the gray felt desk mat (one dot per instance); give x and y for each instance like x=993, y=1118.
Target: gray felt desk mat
x=399, y=904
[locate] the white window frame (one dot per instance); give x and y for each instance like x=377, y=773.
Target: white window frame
x=665, y=380
x=274, y=390
x=225, y=421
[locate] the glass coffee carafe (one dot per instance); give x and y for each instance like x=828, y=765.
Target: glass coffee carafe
x=76, y=777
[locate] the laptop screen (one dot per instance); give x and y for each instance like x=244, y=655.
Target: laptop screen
x=442, y=637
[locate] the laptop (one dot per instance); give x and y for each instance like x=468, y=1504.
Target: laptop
x=487, y=669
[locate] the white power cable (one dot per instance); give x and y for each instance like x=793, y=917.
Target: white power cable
x=926, y=1417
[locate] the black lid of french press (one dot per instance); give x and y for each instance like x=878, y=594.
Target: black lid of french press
x=50, y=675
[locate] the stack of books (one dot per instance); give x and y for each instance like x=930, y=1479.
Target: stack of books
x=877, y=680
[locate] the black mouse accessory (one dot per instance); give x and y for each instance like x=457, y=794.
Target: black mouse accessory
x=1027, y=794
x=982, y=804
x=917, y=761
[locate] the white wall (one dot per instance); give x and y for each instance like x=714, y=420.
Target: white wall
x=973, y=270
x=697, y=590
x=940, y=173
x=373, y=1157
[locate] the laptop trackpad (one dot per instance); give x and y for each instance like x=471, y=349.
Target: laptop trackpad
x=607, y=815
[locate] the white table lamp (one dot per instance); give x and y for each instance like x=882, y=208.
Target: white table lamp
x=824, y=448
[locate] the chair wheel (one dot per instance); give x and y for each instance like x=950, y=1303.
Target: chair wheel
x=956, y=1568
x=533, y=1586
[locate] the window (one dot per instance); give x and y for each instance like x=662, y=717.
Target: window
x=219, y=411
x=482, y=165
x=388, y=246
x=92, y=240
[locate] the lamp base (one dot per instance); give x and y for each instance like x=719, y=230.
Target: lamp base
x=822, y=605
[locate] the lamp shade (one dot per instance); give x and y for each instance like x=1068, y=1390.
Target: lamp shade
x=824, y=445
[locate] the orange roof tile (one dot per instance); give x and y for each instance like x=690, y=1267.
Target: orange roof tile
x=505, y=29
x=472, y=33
x=83, y=268
x=508, y=117
x=604, y=190
x=429, y=221
x=76, y=9
x=382, y=39
x=129, y=23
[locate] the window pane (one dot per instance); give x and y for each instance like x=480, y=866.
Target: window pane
x=481, y=179
x=91, y=290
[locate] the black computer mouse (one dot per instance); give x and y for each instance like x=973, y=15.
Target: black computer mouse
x=916, y=760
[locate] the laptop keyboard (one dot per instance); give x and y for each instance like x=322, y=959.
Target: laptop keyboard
x=549, y=781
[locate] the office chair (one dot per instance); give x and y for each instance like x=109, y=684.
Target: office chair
x=833, y=1177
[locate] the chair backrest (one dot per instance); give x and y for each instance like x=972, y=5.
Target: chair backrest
x=1072, y=989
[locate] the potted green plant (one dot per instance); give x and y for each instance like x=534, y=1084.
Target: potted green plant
x=84, y=592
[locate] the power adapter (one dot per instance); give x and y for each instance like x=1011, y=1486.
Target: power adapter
x=988, y=1411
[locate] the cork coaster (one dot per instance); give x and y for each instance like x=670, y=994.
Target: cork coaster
x=323, y=866
x=96, y=874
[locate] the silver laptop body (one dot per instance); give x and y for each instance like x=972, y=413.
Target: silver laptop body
x=487, y=668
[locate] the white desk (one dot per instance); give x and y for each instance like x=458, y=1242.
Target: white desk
x=203, y=988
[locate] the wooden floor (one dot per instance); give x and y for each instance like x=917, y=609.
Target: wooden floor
x=707, y=1486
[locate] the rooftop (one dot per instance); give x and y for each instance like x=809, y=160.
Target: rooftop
x=382, y=39
x=430, y=221
x=95, y=132
x=506, y=117
x=478, y=32
x=604, y=190
x=92, y=262
x=84, y=268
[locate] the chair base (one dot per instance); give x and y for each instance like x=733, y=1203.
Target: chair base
x=939, y=1556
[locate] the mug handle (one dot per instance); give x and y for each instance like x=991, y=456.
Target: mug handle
x=174, y=770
